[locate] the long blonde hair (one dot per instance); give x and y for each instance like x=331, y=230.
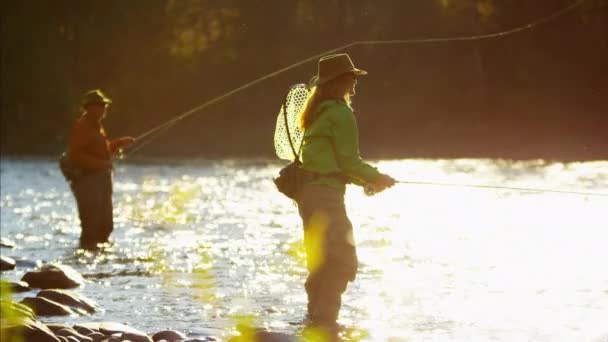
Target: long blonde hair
x=333, y=89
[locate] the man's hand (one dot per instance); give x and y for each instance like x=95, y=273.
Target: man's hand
x=126, y=141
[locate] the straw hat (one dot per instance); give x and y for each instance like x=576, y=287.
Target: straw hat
x=333, y=66
x=95, y=96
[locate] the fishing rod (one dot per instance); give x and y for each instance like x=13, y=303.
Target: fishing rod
x=149, y=135
x=369, y=191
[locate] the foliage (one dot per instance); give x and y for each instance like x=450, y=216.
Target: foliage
x=159, y=58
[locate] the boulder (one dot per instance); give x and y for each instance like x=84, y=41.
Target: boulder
x=71, y=299
x=44, y=307
x=168, y=335
x=6, y=263
x=96, y=336
x=69, y=332
x=136, y=337
x=28, y=331
x=55, y=327
x=16, y=310
x=6, y=243
x=54, y=276
x=114, y=339
x=18, y=286
x=84, y=331
x=109, y=328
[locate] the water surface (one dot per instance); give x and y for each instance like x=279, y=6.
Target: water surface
x=198, y=245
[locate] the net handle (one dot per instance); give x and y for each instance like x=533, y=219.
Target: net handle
x=293, y=149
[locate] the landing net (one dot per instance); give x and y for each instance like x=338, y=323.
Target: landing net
x=287, y=129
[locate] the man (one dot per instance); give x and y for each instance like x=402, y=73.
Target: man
x=90, y=152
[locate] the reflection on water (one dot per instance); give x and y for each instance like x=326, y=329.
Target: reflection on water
x=205, y=245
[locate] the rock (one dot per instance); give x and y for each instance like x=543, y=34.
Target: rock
x=54, y=276
x=84, y=331
x=6, y=243
x=69, y=332
x=45, y=307
x=16, y=310
x=109, y=328
x=70, y=298
x=28, y=331
x=114, y=339
x=168, y=335
x=18, y=286
x=136, y=337
x=55, y=327
x=96, y=336
x=6, y=263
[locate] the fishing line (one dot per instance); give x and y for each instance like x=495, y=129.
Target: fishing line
x=504, y=188
x=141, y=141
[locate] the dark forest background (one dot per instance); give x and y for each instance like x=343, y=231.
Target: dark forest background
x=540, y=93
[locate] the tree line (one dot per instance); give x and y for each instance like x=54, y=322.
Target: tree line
x=539, y=93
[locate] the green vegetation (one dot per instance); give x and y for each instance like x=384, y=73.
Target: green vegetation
x=538, y=93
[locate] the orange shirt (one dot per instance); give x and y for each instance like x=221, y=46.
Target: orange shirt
x=89, y=148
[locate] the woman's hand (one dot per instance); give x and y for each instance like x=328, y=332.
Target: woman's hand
x=382, y=183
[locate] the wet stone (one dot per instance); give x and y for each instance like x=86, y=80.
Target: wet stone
x=84, y=330
x=96, y=336
x=109, y=328
x=136, y=337
x=168, y=335
x=69, y=332
x=6, y=263
x=17, y=310
x=29, y=331
x=18, y=286
x=55, y=327
x=71, y=299
x=54, y=276
x=6, y=243
x=45, y=307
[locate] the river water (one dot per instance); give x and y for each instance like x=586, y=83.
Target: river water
x=200, y=246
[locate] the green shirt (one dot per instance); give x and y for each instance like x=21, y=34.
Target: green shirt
x=331, y=145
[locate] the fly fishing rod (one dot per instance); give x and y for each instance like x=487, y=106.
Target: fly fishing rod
x=148, y=136
x=369, y=191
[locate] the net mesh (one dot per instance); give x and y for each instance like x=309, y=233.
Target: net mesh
x=294, y=101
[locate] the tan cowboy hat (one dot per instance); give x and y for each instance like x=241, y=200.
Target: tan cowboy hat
x=333, y=66
x=95, y=96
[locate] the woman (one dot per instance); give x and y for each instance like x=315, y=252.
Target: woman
x=330, y=159
x=91, y=152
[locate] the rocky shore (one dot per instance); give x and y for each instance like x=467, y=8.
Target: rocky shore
x=54, y=293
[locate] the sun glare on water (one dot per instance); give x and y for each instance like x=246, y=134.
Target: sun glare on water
x=451, y=261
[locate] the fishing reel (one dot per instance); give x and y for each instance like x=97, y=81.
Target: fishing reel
x=369, y=191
